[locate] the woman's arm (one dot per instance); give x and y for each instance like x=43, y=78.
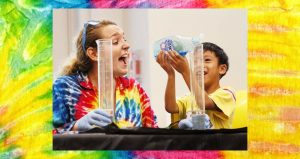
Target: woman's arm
x=62, y=120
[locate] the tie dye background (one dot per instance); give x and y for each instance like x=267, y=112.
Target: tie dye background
x=26, y=78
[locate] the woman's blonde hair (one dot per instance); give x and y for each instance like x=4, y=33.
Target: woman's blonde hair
x=82, y=62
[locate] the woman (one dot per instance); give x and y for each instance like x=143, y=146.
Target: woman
x=75, y=93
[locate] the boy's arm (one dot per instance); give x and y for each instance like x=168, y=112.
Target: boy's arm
x=170, y=97
x=181, y=65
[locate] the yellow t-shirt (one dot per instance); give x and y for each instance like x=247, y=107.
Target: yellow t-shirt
x=224, y=99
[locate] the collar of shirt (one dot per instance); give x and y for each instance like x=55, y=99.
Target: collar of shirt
x=84, y=81
x=122, y=83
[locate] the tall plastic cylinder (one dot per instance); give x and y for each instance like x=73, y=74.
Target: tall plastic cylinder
x=105, y=76
x=197, y=114
x=197, y=80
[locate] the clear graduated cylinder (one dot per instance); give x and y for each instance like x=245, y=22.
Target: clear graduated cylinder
x=199, y=119
x=105, y=76
x=197, y=80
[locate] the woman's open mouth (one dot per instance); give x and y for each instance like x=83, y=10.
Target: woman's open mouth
x=124, y=59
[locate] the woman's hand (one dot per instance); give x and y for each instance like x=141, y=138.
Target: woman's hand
x=94, y=118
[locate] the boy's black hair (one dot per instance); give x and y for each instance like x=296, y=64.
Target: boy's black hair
x=219, y=52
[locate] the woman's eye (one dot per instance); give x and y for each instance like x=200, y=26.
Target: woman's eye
x=115, y=42
x=207, y=60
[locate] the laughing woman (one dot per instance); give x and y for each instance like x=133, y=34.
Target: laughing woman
x=75, y=92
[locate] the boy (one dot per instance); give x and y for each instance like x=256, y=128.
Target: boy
x=219, y=102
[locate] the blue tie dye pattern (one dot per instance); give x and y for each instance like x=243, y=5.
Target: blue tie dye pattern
x=66, y=92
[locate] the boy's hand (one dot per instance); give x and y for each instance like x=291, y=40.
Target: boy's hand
x=179, y=63
x=164, y=61
x=196, y=122
x=185, y=124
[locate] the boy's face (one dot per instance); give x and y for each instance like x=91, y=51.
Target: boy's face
x=212, y=69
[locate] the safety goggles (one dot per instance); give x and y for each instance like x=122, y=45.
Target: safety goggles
x=91, y=22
